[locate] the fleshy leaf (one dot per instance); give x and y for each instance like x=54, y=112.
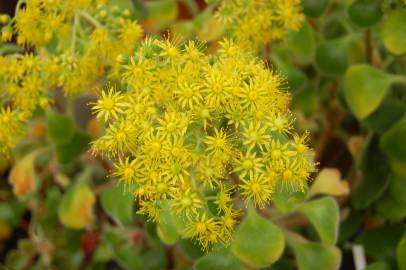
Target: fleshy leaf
x=61, y=128
x=323, y=214
x=22, y=175
x=380, y=242
x=166, y=226
x=390, y=209
x=365, y=12
x=329, y=182
x=375, y=176
x=118, y=204
x=314, y=8
x=400, y=253
x=314, y=256
x=220, y=260
x=76, y=207
x=365, y=88
x=257, y=241
x=332, y=57
x=394, y=31
x=72, y=149
x=392, y=144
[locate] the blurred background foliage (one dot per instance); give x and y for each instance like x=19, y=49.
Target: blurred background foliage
x=346, y=69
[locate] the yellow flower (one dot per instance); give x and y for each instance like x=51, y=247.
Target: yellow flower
x=176, y=170
x=126, y=170
x=188, y=95
x=217, y=88
x=110, y=105
x=255, y=134
x=257, y=188
x=219, y=143
x=248, y=164
x=186, y=203
x=206, y=230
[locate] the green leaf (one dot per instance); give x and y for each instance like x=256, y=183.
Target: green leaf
x=394, y=31
x=350, y=226
x=397, y=189
x=191, y=248
x=379, y=242
x=386, y=115
x=295, y=75
x=392, y=144
x=323, y=214
x=221, y=259
x=285, y=200
x=118, y=204
x=302, y=43
x=365, y=13
x=76, y=207
x=166, y=226
x=365, y=88
x=314, y=8
x=77, y=145
x=390, y=209
x=375, y=177
x=400, y=253
x=257, y=241
x=378, y=266
x=314, y=256
x=306, y=101
x=61, y=128
x=332, y=57
x=125, y=252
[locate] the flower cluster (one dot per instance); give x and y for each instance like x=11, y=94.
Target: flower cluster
x=199, y=132
x=258, y=22
x=72, y=44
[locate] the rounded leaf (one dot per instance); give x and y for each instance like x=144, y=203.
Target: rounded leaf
x=220, y=260
x=118, y=204
x=365, y=12
x=394, y=31
x=397, y=189
x=400, y=253
x=302, y=43
x=22, y=175
x=323, y=214
x=61, y=128
x=392, y=142
x=314, y=8
x=76, y=207
x=314, y=256
x=332, y=57
x=257, y=241
x=365, y=88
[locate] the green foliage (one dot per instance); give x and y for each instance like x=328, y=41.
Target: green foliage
x=323, y=214
x=118, y=204
x=394, y=32
x=365, y=88
x=257, y=249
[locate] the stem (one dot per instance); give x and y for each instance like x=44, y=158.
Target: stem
x=368, y=45
x=74, y=32
x=18, y=5
x=89, y=18
x=70, y=107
